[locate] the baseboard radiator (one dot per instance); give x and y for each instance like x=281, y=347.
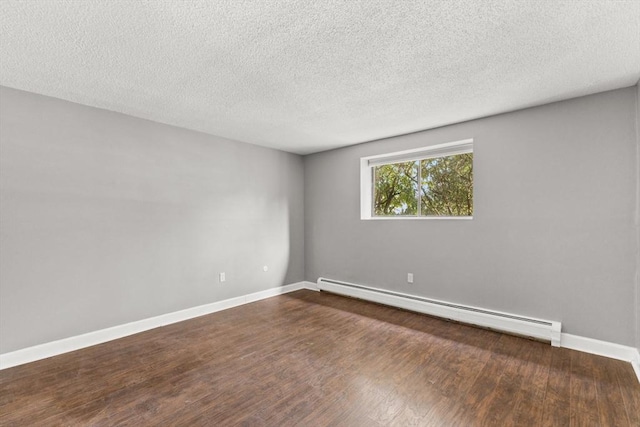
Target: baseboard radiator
x=545, y=330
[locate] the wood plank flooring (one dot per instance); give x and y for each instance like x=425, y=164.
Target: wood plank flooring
x=316, y=359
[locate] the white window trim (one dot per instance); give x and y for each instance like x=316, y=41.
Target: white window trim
x=368, y=163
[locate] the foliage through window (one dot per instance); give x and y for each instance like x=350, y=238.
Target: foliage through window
x=435, y=183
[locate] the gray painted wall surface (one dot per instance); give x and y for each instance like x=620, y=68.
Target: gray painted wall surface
x=108, y=219
x=638, y=216
x=553, y=233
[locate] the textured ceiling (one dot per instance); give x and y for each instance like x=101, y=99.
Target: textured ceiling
x=306, y=76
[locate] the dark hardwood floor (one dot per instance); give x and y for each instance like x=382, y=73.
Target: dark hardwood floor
x=315, y=359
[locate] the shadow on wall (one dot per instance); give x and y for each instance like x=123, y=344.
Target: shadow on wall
x=108, y=219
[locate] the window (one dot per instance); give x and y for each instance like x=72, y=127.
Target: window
x=429, y=182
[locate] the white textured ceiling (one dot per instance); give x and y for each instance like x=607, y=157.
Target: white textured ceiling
x=310, y=75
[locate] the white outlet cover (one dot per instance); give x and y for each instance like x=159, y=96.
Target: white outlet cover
x=222, y=277
x=409, y=277
x=265, y=268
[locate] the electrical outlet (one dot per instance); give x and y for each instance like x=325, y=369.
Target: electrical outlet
x=409, y=277
x=265, y=268
x=223, y=278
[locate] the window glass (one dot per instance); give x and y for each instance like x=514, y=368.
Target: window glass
x=446, y=187
x=395, y=189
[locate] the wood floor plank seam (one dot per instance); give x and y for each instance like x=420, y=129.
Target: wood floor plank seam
x=546, y=389
x=632, y=408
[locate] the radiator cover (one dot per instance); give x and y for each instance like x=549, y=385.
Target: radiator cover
x=546, y=330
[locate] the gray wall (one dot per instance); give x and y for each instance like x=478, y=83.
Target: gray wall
x=638, y=216
x=108, y=219
x=553, y=233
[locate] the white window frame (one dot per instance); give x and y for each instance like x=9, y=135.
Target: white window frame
x=367, y=165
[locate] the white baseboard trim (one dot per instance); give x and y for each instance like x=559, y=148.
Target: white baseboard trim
x=601, y=348
x=636, y=364
x=54, y=348
x=312, y=286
